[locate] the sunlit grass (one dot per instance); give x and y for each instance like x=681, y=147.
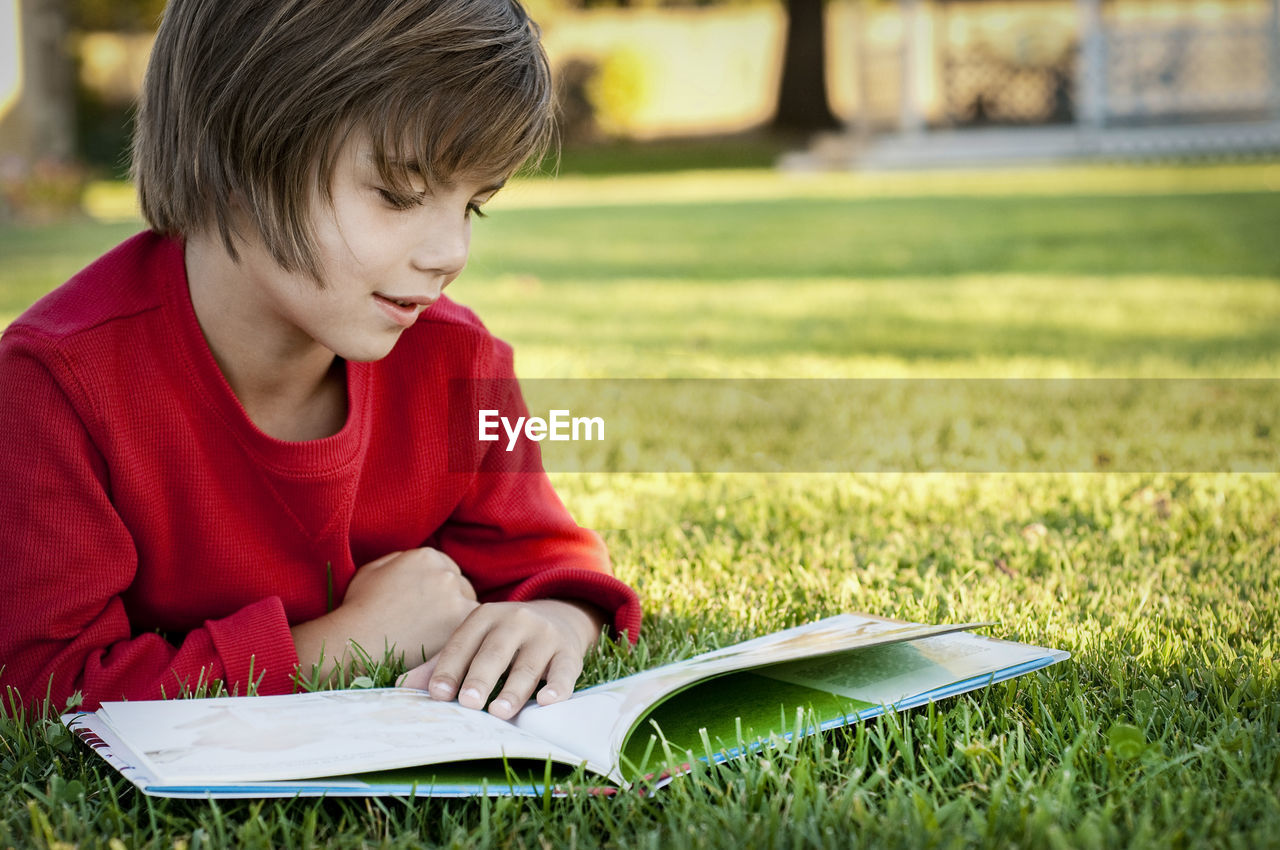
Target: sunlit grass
x=1159, y=731
x=721, y=185
x=1224, y=234
x=994, y=325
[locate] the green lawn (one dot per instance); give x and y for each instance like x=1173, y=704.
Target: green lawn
x=1164, y=728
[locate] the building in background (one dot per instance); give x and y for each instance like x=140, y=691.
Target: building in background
x=915, y=82
x=997, y=81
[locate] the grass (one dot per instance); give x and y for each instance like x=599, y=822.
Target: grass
x=1161, y=730
x=625, y=156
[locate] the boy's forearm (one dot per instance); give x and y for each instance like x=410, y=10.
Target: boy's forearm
x=322, y=646
x=329, y=643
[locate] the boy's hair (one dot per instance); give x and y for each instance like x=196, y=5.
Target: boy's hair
x=251, y=100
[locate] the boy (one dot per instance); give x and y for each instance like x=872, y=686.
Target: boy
x=225, y=443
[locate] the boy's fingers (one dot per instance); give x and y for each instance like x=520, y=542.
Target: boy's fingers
x=497, y=639
x=525, y=673
x=420, y=676
x=455, y=657
x=390, y=556
x=487, y=666
x=468, y=589
x=562, y=675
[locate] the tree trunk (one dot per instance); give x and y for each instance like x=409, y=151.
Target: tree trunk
x=802, y=96
x=42, y=122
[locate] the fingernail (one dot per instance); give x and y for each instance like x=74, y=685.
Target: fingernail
x=550, y=694
x=442, y=690
x=470, y=695
x=500, y=706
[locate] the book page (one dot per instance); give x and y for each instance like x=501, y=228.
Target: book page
x=596, y=721
x=732, y=714
x=300, y=736
x=491, y=777
x=884, y=675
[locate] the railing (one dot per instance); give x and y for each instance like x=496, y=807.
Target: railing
x=1155, y=71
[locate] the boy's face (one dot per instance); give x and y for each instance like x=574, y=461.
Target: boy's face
x=385, y=258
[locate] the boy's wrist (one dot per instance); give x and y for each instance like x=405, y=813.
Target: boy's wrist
x=585, y=619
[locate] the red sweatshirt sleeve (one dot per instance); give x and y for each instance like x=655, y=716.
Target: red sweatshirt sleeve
x=515, y=541
x=67, y=559
x=512, y=535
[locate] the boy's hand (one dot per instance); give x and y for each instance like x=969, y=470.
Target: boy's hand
x=413, y=600
x=529, y=641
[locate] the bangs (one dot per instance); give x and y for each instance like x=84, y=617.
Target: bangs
x=487, y=112
x=483, y=135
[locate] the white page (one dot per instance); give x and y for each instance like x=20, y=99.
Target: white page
x=583, y=722
x=883, y=675
x=299, y=736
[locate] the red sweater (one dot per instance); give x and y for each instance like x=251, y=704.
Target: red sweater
x=152, y=537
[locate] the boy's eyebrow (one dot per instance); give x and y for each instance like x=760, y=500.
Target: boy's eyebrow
x=412, y=165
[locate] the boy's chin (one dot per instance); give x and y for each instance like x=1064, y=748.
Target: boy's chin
x=368, y=352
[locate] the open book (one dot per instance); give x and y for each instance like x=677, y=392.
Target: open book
x=400, y=741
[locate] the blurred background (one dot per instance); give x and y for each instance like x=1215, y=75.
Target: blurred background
x=738, y=83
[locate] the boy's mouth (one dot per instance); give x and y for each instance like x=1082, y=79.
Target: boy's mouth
x=402, y=311
x=410, y=302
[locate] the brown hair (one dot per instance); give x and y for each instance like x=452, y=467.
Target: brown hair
x=253, y=99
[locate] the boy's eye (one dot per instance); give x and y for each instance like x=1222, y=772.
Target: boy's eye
x=473, y=209
x=398, y=201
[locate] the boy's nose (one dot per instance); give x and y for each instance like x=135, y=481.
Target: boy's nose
x=443, y=251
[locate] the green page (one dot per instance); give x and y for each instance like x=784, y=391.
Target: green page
x=762, y=707
x=474, y=775
x=743, y=709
